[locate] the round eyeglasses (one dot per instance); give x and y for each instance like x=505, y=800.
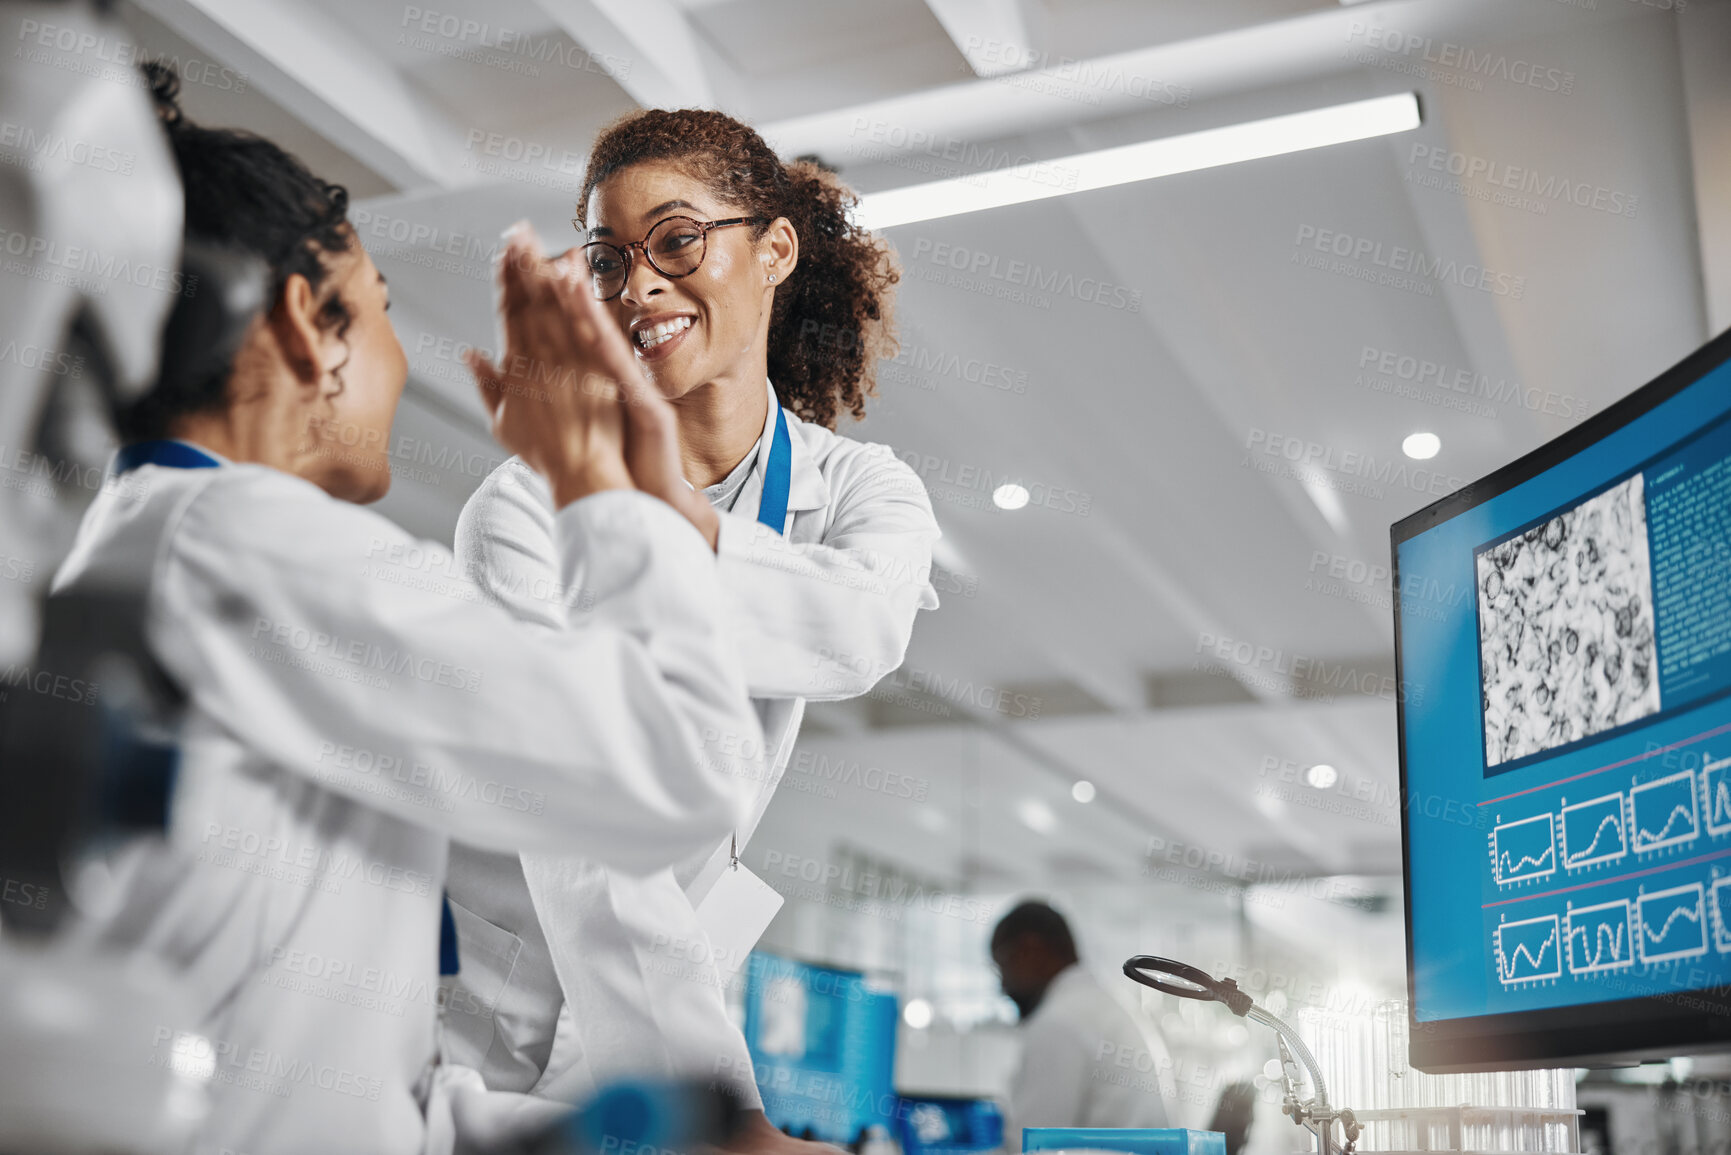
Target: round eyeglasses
x=675, y=247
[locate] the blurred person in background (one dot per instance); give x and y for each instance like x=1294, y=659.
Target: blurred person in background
x=755, y=305
x=345, y=720
x=1087, y=1060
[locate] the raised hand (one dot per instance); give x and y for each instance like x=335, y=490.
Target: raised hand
x=652, y=456
x=652, y=446
x=556, y=400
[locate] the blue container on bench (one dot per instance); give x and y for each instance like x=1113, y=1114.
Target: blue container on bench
x=1134, y=1140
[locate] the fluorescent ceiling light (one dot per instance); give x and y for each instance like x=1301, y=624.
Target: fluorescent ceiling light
x=1127, y=163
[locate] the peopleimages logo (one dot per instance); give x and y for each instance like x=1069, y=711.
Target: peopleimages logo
x=1460, y=59
x=1025, y=275
x=1400, y=259
x=38, y=255
x=1457, y=379
x=117, y=60
x=1019, y=65
x=465, y=39
x=255, y=1068
x=886, y=139
x=1305, y=676
x=413, y=234
x=947, y=480
x=361, y=655
x=1370, y=474
x=39, y=147
x=1521, y=180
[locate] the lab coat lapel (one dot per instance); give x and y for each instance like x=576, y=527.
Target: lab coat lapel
x=806, y=490
x=624, y=1005
x=571, y=898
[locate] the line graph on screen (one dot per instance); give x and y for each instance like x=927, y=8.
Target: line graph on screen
x=1527, y=950
x=1593, y=832
x=1672, y=924
x=1716, y=796
x=1662, y=813
x=1525, y=850
x=1598, y=937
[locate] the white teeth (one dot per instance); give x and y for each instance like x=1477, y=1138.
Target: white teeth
x=653, y=335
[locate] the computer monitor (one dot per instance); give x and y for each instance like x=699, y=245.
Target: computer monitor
x=1563, y=645
x=823, y=1047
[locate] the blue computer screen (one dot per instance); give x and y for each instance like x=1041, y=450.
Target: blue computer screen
x=1566, y=666
x=823, y=1046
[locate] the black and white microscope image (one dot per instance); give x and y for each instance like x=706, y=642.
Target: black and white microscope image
x=1566, y=636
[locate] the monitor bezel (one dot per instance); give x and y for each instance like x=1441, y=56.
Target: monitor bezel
x=1614, y=1033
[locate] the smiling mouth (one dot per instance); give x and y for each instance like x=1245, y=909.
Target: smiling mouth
x=655, y=336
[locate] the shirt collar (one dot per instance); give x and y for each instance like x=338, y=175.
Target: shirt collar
x=197, y=449
x=725, y=493
x=205, y=449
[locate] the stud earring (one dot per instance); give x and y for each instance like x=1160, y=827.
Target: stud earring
x=772, y=278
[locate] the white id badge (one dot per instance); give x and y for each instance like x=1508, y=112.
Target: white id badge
x=734, y=914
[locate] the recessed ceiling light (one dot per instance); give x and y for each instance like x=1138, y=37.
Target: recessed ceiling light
x=1082, y=791
x=917, y=1014
x=1036, y=815
x=1009, y=496
x=1322, y=775
x=1106, y=167
x=1422, y=446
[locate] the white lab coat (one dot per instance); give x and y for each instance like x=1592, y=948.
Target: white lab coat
x=1088, y=1061
x=609, y=975
x=353, y=703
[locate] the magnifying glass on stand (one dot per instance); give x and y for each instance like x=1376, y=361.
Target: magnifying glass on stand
x=1172, y=977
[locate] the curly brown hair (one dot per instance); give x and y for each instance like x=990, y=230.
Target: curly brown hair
x=833, y=320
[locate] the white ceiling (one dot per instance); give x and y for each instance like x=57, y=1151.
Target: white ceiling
x=1157, y=416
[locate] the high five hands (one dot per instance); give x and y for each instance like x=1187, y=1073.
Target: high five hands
x=569, y=398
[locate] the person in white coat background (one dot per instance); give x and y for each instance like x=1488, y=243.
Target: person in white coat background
x=344, y=720
x=1088, y=1059
x=760, y=310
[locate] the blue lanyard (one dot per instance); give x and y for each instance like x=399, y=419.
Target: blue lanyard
x=772, y=507
x=180, y=455
x=170, y=454
x=449, y=964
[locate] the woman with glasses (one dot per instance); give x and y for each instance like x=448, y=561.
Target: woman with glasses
x=346, y=717
x=760, y=311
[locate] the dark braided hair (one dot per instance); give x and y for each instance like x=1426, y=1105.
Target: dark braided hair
x=833, y=320
x=242, y=193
